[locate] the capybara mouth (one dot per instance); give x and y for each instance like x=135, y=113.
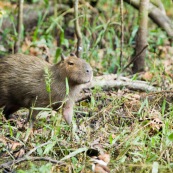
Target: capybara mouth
x=88, y=81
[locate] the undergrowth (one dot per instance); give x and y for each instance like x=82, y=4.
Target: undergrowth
x=135, y=128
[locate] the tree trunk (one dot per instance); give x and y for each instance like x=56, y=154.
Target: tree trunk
x=141, y=40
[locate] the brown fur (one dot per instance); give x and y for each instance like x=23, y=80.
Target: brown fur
x=22, y=83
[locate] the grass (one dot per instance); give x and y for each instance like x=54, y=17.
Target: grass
x=134, y=128
x=134, y=140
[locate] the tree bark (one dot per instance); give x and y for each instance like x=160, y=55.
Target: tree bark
x=141, y=40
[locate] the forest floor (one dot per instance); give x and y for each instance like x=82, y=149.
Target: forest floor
x=134, y=128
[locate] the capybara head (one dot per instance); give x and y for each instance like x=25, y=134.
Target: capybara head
x=77, y=70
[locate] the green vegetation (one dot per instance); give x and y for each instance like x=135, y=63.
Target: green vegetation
x=135, y=128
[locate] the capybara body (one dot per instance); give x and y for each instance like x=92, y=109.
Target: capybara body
x=23, y=81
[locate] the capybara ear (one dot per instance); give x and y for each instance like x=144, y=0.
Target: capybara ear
x=73, y=54
x=63, y=57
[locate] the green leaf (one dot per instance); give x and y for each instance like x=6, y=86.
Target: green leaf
x=62, y=37
x=40, y=151
x=92, y=102
x=46, y=2
x=57, y=55
x=135, y=29
x=66, y=43
x=49, y=148
x=67, y=86
x=143, y=105
x=163, y=106
x=113, y=140
x=110, y=139
x=100, y=35
x=45, y=168
x=74, y=153
x=170, y=137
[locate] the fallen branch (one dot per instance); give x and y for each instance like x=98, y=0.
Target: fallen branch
x=29, y=158
x=115, y=81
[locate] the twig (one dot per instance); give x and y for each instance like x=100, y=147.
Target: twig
x=130, y=137
x=34, y=149
x=7, y=164
x=28, y=157
x=135, y=58
x=77, y=30
x=19, y=25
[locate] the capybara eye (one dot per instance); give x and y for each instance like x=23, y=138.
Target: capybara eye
x=70, y=63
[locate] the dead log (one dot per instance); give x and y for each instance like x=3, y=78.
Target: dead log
x=110, y=81
x=115, y=81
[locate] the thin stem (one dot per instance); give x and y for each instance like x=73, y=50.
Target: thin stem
x=122, y=34
x=77, y=30
x=19, y=25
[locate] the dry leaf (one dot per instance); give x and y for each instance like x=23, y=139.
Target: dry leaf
x=147, y=76
x=20, y=153
x=3, y=140
x=156, y=124
x=13, y=146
